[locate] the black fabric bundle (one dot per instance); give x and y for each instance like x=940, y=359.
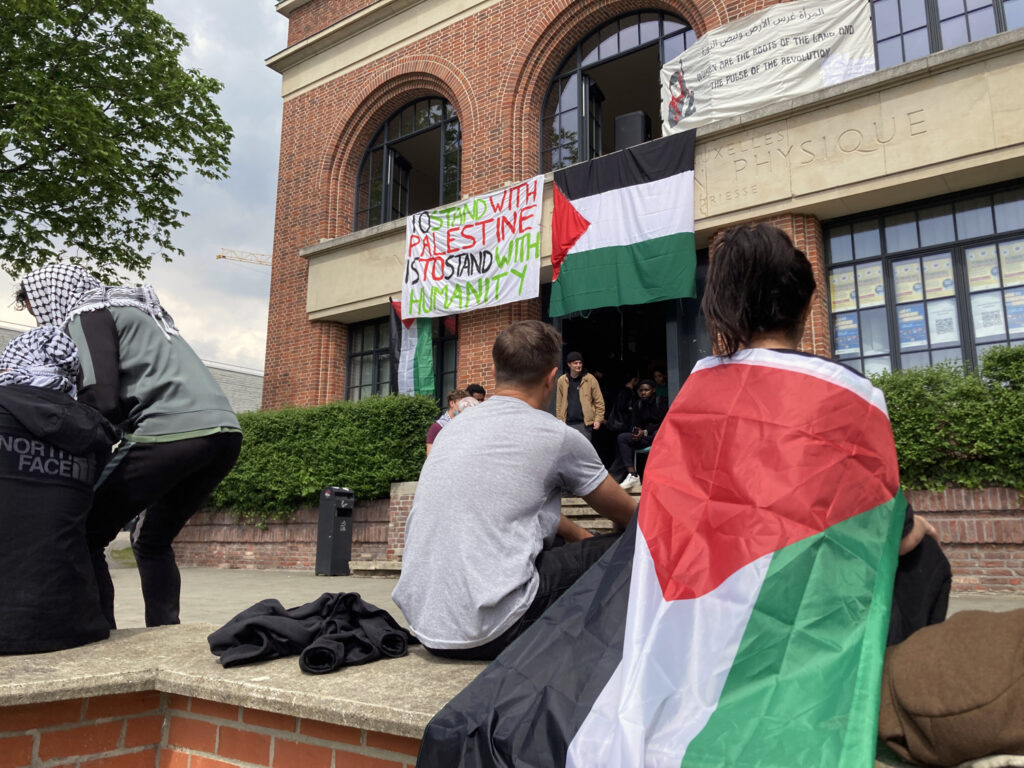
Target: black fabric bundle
x=333, y=631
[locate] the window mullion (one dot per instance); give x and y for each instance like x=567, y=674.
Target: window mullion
x=934, y=27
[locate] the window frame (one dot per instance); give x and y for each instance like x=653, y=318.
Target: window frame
x=392, y=131
x=890, y=255
x=574, y=66
x=379, y=354
x=933, y=27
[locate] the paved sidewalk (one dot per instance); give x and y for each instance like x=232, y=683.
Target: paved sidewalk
x=215, y=595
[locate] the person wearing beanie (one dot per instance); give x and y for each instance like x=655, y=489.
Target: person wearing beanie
x=579, y=402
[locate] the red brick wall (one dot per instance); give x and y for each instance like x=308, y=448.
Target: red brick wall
x=320, y=14
x=401, y=506
x=218, y=540
x=494, y=67
x=146, y=729
x=982, y=534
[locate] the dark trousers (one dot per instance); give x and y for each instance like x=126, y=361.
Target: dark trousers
x=559, y=568
x=626, y=445
x=169, y=481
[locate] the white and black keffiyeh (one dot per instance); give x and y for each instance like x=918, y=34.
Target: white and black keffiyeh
x=57, y=293
x=43, y=357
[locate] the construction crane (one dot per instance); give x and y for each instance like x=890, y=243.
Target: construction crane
x=249, y=257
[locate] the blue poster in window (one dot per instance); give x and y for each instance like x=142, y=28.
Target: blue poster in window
x=1015, y=311
x=847, y=332
x=913, y=332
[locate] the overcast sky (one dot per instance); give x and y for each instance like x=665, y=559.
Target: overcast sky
x=221, y=306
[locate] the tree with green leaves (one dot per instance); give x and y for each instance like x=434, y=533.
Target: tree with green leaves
x=99, y=122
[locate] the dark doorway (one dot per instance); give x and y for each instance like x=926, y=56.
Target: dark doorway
x=618, y=343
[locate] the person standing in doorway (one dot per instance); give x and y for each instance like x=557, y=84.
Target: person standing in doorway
x=579, y=402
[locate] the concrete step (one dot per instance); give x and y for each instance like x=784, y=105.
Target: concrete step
x=390, y=569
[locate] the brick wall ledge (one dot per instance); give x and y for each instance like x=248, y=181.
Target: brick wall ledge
x=389, y=696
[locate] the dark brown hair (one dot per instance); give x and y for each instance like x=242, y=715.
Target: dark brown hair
x=757, y=282
x=525, y=352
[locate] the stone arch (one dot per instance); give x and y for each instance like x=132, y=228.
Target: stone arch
x=553, y=36
x=388, y=90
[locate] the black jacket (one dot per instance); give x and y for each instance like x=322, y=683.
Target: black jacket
x=52, y=450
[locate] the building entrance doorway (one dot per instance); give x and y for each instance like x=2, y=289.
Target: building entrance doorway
x=618, y=343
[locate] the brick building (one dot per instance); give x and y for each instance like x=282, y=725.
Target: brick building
x=907, y=182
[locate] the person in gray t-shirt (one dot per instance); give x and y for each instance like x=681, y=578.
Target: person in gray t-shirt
x=481, y=561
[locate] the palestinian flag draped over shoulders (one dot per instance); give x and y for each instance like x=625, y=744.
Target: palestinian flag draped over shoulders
x=622, y=228
x=743, y=620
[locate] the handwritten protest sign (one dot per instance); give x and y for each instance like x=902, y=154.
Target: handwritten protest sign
x=784, y=51
x=475, y=253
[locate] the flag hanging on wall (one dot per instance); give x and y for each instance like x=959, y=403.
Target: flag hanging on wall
x=622, y=228
x=412, y=353
x=742, y=620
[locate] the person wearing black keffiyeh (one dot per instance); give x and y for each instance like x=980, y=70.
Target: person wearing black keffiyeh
x=180, y=435
x=52, y=449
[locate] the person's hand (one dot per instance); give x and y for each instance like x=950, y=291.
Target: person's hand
x=597, y=424
x=921, y=529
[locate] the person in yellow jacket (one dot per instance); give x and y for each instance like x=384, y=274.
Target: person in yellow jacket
x=579, y=402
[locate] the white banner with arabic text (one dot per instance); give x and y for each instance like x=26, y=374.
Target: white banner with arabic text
x=786, y=50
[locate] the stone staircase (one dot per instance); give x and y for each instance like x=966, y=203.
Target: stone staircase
x=573, y=507
x=576, y=509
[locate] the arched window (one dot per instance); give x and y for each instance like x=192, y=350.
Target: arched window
x=612, y=74
x=412, y=163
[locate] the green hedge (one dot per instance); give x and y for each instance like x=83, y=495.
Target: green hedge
x=289, y=455
x=956, y=427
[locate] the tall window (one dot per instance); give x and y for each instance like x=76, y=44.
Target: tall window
x=612, y=74
x=369, y=359
x=941, y=281
x=412, y=163
x=445, y=355
x=910, y=29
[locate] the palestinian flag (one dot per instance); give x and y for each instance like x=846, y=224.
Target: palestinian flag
x=412, y=353
x=622, y=228
x=742, y=621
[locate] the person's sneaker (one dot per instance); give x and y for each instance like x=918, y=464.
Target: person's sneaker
x=630, y=481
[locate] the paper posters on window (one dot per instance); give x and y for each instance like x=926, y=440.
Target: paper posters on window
x=938, y=276
x=1015, y=311
x=911, y=326
x=942, y=322
x=1011, y=257
x=907, y=277
x=476, y=253
x=987, y=311
x=843, y=289
x=870, y=289
x=780, y=52
x=982, y=268
x=847, y=334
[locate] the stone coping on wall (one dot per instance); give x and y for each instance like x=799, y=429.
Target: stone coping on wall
x=394, y=696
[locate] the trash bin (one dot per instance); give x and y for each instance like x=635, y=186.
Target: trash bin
x=334, y=531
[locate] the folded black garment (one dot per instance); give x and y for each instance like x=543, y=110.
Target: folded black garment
x=333, y=631
x=357, y=633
